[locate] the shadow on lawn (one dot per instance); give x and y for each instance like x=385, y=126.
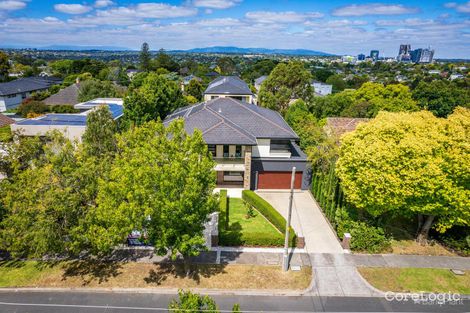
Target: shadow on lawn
x=198, y=271
x=90, y=270
x=231, y=235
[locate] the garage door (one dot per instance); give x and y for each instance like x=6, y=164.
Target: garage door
x=278, y=180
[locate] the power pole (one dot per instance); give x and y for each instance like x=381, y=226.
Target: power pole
x=285, y=263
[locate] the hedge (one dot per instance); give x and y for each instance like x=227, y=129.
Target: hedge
x=270, y=213
x=223, y=206
x=234, y=239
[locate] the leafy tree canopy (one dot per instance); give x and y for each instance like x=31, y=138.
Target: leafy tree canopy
x=288, y=81
x=156, y=98
x=410, y=164
x=92, y=88
x=161, y=181
x=441, y=97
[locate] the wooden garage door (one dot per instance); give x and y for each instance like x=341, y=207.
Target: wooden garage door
x=278, y=180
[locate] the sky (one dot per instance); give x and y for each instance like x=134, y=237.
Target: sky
x=335, y=26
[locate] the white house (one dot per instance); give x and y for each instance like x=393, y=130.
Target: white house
x=14, y=92
x=321, y=89
x=72, y=125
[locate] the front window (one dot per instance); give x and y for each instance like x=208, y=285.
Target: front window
x=212, y=150
x=238, y=151
x=226, y=152
x=280, y=146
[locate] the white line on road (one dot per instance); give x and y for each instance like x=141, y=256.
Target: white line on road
x=123, y=307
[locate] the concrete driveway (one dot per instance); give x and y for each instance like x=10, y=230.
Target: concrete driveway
x=307, y=220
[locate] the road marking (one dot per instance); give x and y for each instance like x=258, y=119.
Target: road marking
x=127, y=307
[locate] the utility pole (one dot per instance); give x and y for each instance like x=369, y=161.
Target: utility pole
x=285, y=263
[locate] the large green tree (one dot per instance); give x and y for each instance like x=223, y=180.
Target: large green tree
x=195, y=89
x=100, y=134
x=441, y=97
x=156, y=98
x=4, y=65
x=412, y=165
x=161, y=182
x=145, y=57
x=287, y=82
x=92, y=88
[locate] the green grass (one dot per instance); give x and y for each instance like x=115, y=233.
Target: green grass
x=23, y=273
x=416, y=280
x=243, y=231
x=5, y=133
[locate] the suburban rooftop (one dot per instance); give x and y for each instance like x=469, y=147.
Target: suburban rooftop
x=27, y=84
x=228, y=85
x=230, y=121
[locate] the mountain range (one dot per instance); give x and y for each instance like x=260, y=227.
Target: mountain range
x=237, y=50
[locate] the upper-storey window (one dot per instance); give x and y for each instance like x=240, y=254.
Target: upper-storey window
x=212, y=149
x=226, y=151
x=278, y=145
x=238, y=151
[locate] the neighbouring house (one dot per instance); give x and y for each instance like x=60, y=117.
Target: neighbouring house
x=456, y=76
x=228, y=86
x=131, y=73
x=187, y=79
x=259, y=81
x=321, y=89
x=14, y=92
x=5, y=120
x=254, y=147
x=72, y=125
x=337, y=126
x=67, y=95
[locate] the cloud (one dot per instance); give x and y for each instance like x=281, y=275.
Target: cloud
x=11, y=5
x=267, y=17
x=462, y=8
x=405, y=22
x=72, y=8
x=148, y=10
x=216, y=4
x=373, y=9
x=219, y=22
x=103, y=3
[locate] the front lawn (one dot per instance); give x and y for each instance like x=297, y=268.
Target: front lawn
x=243, y=231
x=417, y=280
x=76, y=274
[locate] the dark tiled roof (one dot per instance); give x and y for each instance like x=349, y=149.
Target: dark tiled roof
x=27, y=84
x=260, y=79
x=231, y=85
x=341, y=125
x=5, y=120
x=68, y=95
x=230, y=121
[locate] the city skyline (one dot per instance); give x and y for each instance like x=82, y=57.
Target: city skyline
x=341, y=27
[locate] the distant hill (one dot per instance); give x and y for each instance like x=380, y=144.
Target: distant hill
x=83, y=48
x=237, y=50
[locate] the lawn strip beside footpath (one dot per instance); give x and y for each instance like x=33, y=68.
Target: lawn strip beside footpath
x=417, y=280
x=79, y=274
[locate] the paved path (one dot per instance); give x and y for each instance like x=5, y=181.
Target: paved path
x=307, y=220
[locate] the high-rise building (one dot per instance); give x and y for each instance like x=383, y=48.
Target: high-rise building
x=361, y=57
x=422, y=55
x=404, y=53
x=374, y=54
x=426, y=56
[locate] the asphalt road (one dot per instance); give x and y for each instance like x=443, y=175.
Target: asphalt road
x=87, y=302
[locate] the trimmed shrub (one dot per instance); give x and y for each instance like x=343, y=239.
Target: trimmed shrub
x=270, y=213
x=235, y=239
x=363, y=236
x=223, y=206
x=32, y=106
x=62, y=108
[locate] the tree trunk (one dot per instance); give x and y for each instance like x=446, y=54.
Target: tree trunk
x=187, y=265
x=423, y=232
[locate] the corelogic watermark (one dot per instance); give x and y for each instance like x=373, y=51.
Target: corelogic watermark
x=426, y=298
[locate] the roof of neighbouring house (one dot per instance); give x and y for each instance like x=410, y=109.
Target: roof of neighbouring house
x=67, y=95
x=189, y=78
x=230, y=121
x=260, y=79
x=5, y=120
x=228, y=85
x=76, y=119
x=27, y=84
x=341, y=125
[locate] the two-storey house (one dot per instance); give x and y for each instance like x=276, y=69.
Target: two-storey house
x=228, y=87
x=254, y=147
